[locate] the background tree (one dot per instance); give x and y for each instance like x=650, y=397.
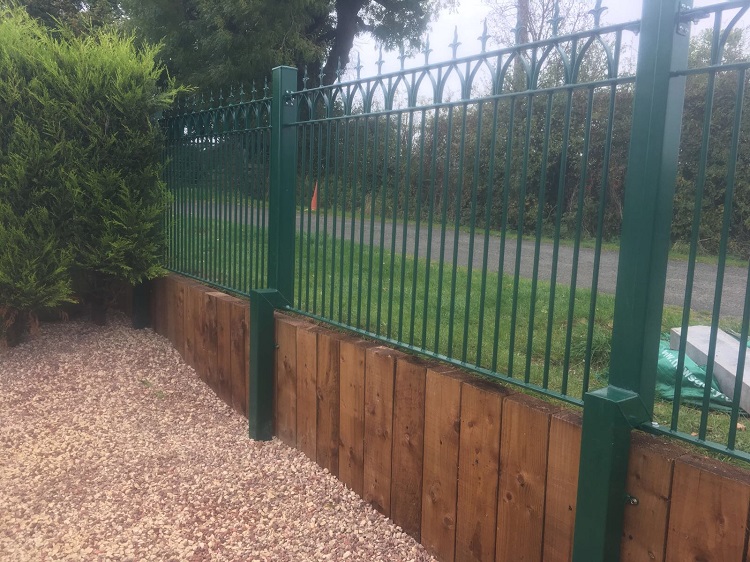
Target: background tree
x=214, y=44
x=74, y=14
x=523, y=21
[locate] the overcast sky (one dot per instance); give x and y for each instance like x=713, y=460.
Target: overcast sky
x=469, y=17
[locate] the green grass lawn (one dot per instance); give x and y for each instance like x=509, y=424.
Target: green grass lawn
x=546, y=336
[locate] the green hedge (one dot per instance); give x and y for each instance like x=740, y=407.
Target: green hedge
x=81, y=199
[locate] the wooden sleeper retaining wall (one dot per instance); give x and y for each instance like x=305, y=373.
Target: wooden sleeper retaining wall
x=471, y=469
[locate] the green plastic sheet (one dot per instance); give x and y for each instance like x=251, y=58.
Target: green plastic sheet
x=693, y=381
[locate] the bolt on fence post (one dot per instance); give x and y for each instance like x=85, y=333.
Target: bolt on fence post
x=282, y=218
x=610, y=413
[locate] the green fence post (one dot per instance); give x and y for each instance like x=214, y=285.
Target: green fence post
x=282, y=217
x=263, y=302
x=282, y=212
x=610, y=413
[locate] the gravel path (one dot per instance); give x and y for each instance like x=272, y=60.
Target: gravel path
x=112, y=449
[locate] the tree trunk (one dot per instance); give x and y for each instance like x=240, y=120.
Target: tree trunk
x=347, y=25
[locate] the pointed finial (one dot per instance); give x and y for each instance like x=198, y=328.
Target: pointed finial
x=359, y=66
x=402, y=56
x=194, y=101
x=305, y=79
x=231, y=94
x=484, y=36
x=427, y=50
x=556, y=19
x=321, y=74
x=266, y=89
x=242, y=92
x=221, y=95
x=597, y=12
x=253, y=91
x=339, y=70
x=211, y=100
x=380, y=60
x=456, y=42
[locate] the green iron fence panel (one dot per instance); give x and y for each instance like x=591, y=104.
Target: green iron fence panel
x=471, y=210
x=460, y=209
x=710, y=226
x=218, y=167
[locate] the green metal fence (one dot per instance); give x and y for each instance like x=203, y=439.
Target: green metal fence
x=218, y=155
x=435, y=207
x=542, y=214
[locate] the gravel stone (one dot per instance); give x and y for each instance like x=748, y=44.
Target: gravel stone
x=111, y=448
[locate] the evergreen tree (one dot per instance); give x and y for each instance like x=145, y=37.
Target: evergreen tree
x=81, y=199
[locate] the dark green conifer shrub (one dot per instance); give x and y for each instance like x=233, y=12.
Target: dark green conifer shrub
x=81, y=199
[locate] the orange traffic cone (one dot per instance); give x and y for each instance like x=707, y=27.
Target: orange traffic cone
x=314, y=202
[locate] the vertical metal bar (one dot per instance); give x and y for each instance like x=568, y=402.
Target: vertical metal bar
x=503, y=229
x=472, y=230
x=556, y=245
x=538, y=234
x=443, y=223
x=372, y=223
x=458, y=186
x=739, y=375
x=599, y=235
x=334, y=243
x=355, y=179
x=746, y=314
x=488, y=202
x=308, y=198
x=519, y=234
x=281, y=208
x=430, y=219
x=394, y=226
x=302, y=130
x=404, y=234
x=577, y=241
x=639, y=300
x=381, y=248
x=418, y=220
x=695, y=230
x=344, y=192
x=727, y=222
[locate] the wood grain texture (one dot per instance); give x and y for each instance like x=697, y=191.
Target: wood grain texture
x=209, y=332
x=178, y=303
x=155, y=303
x=223, y=363
x=200, y=358
x=562, y=486
x=240, y=348
x=408, y=445
x=709, y=513
x=187, y=325
x=523, y=479
x=442, y=428
x=478, y=466
x=379, y=377
x=650, y=481
x=352, y=359
x=286, y=380
x=327, y=438
x=168, y=308
x=307, y=400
